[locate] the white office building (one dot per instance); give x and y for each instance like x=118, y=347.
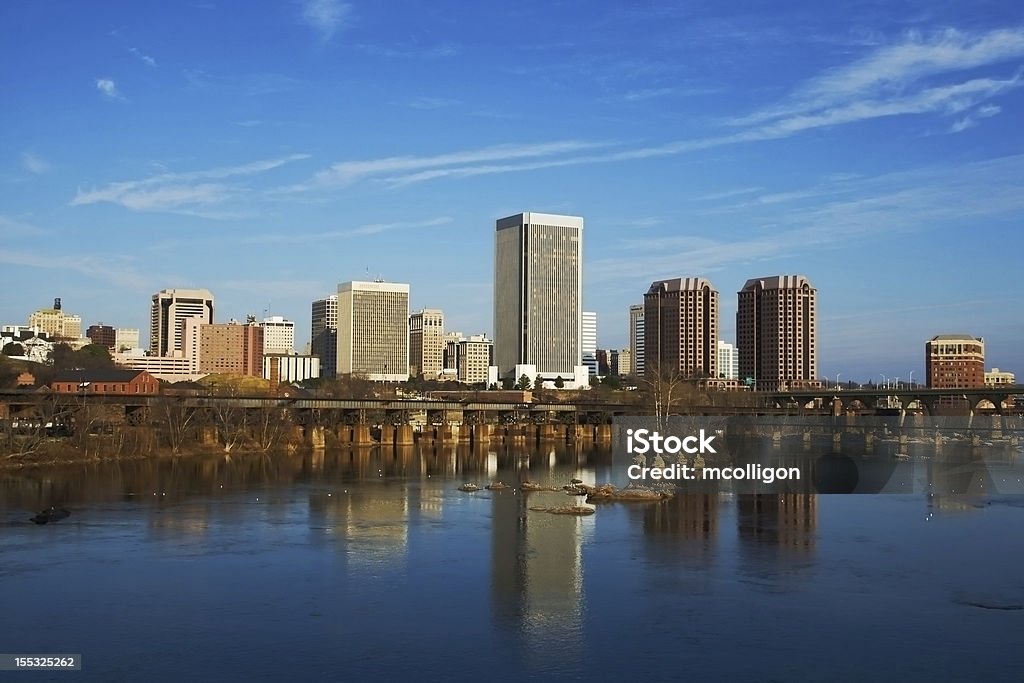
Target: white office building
x=373, y=330
x=278, y=335
x=728, y=361
x=170, y=309
x=588, y=340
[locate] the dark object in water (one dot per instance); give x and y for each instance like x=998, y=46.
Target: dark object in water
x=51, y=515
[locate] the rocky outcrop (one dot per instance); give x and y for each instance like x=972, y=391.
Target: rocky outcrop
x=580, y=510
x=52, y=514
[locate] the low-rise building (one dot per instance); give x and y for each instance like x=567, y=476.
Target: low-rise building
x=996, y=378
x=105, y=381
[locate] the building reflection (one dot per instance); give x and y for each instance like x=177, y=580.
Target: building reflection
x=687, y=516
x=787, y=521
x=536, y=575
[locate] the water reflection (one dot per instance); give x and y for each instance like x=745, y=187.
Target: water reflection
x=381, y=547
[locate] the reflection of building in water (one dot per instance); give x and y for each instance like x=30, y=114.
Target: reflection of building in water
x=373, y=520
x=690, y=515
x=788, y=520
x=957, y=486
x=537, y=579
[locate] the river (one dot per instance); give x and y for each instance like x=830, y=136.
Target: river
x=376, y=567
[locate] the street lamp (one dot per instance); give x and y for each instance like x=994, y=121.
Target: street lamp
x=885, y=382
x=910, y=382
x=837, y=380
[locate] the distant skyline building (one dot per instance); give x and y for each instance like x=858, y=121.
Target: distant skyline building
x=54, y=322
x=728, y=361
x=588, y=341
x=636, y=338
x=126, y=338
x=426, y=343
x=168, y=312
x=278, y=335
x=290, y=367
x=223, y=348
x=101, y=334
x=538, y=292
x=777, y=333
x=323, y=339
x=681, y=327
x=475, y=354
x=997, y=378
x=622, y=362
x=955, y=361
x=373, y=330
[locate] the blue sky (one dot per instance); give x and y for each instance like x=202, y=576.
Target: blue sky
x=269, y=151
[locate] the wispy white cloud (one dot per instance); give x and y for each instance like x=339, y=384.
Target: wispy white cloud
x=350, y=171
x=972, y=118
x=431, y=103
x=317, y=237
x=898, y=72
x=325, y=16
x=853, y=210
x=893, y=80
x=104, y=268
x=178, y=191
x=144, y=57
x=108, y=88
x=12, y=228
x=33, y=163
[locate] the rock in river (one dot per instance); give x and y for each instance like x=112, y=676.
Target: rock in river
x=52, y=514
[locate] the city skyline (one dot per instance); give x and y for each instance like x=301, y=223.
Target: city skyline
x=267, y=156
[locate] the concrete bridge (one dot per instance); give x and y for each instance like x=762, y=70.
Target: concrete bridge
x=930, y=400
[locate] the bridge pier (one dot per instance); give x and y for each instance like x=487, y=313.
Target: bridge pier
x=361, y=435
x=404, y=435
x=315, y=436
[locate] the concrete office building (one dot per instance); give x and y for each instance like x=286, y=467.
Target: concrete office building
x=777, y=333
x=622, y=362
x=475, y=354
x=426, y=343
x=289, y=367
x=126, y=338
x=681, y=328
x=324, y=334
x=636, y=339
x=373, y=330
x=169, y=310
x=955, y=361
x=538, y=288
x=999, y=378
x=588, y=341
x=278, y=335
x=728, y=361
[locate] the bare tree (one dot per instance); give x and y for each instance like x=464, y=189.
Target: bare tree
x=179, y=421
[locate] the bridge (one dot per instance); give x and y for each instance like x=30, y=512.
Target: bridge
x=478, y=410
x=869, y=399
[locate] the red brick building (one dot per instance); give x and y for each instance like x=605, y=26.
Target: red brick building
x=105, y=381
x=955, y=361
